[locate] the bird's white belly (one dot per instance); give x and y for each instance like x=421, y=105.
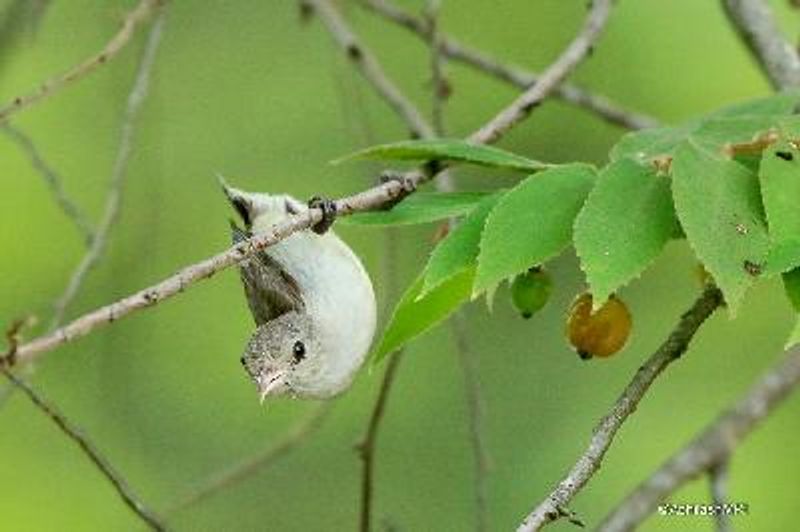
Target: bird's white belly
x=338, y=292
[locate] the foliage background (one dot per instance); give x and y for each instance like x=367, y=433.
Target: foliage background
x=244, y=89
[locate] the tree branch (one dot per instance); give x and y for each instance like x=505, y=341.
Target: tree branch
x=364, y=61
x=132, y=20
x=711, y=447
x=367, y=446
x=231, y=476
x=54, y=182
x=777, y=58
x=554, y=506
x=440, y=88
x=511, y=74
x=718, y=480
x=381, y=196
x=578, y=50
x=88, y=448
x=113, y=199
x=475, y=406
x=475, y=412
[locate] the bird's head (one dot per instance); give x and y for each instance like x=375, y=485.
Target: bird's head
x=283, y=356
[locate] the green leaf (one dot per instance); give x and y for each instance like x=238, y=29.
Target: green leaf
x=420, y=208
x=740, y=122
x=414, y=315
x=626, y=221
x=447, y=150
x=649, y=143
x=780, y=104
x=719, y=207
x=791, y=283
x=459, y=249
x=531, y=223
x=780, y=191
x=794, y=336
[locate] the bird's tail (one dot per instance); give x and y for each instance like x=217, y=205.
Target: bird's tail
x=267, y=208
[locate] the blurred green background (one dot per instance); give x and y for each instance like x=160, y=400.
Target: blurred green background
x=244, y=89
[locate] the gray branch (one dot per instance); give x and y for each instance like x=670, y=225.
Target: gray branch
x=53, y=180
x=135, y=18
x=88, y=448
x=775, y=55
x=114, y=197
x=226, y=478
x=709, y=448
x=577, y=51
x=718, y=482
x=512, y=74
x=369, y=67
x=555, y=505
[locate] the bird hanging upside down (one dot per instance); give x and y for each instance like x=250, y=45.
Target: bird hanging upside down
x=311, y=299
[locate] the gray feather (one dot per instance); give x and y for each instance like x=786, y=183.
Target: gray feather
x=271, y=290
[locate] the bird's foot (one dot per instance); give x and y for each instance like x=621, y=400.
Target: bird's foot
x=328, y=208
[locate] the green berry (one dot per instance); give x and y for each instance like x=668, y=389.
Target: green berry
x=530, y=291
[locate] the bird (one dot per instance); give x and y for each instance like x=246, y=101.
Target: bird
x=310, y=296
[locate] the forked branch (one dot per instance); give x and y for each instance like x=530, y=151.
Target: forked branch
x=710, y=448
x=555, y=505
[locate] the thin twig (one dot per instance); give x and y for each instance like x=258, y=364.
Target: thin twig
x=578, y=50
x=53, y=180
x=111, y=211
x=475, y=411
x=366, y=447
x=223, y=480
x=88, y=448
x=756, y=26
x=710, y=447
x=472, y=388
x=363, y=59
x=508, y=73
x=554, y=506
x=718, y=481
x=380, y=196
x=440, y=88
x=132, y=20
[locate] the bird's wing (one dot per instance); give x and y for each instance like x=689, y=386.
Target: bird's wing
x=270, y=289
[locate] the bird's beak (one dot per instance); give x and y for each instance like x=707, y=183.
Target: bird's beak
x=270, y=382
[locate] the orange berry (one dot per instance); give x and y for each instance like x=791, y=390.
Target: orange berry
x=598, y=334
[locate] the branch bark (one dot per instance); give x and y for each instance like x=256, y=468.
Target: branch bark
x=718, y=483
x=381, y=196
x=714, y=445
x=508, y=73
x=229, y=477
x=54, y=182
x=369, y=67
x=475, y=411
x=775, y=55
x=88, y=448
x=554, y=506
x=577, y=51
x=132, y=21
x=114, y=197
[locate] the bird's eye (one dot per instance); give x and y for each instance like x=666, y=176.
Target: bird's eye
x=243, y=361
x=299, y=351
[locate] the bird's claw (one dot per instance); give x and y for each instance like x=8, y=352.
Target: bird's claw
x=407, y=186
x=328, y=208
